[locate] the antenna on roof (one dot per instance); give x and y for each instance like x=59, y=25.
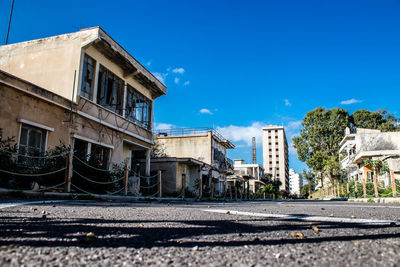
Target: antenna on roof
x=253, y=150
x=9, y=20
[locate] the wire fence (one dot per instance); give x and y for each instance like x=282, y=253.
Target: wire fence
x=66, y=172
x=361, y=189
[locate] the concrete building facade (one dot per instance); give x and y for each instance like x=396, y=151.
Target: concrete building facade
x=204, y=145
x=82, y=89
x=253, y=174
x=275, y=154
x=372, y=144
x=295, y=183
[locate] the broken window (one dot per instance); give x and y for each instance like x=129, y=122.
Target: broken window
x=81, y=148
x=110, y=91
x=87, y=76
x=31, y=143
x=138, y=108
x=100, y=155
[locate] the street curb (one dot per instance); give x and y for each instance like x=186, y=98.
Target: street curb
x=376, y=200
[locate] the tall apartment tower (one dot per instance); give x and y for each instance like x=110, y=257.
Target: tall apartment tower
x=275, y=154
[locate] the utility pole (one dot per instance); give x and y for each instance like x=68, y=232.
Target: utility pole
x=253, y=150
x=9, y=20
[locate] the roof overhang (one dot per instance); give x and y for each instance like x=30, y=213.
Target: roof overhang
x=131, y=67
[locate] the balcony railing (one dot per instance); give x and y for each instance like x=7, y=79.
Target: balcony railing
x=189, y=131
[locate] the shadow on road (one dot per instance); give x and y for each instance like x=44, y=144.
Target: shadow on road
x=33, y=231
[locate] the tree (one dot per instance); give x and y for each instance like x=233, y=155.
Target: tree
x=318, y=143
x=380, y=119
x=309, y=176
x=306, y=190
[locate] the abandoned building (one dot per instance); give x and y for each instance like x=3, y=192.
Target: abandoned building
x=372, y=144
x=250, y=175
x=82, y=89
x=201, y=150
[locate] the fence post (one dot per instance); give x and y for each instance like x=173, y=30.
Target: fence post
x=201, y=188
x=68, y=173
x=348, y=189
x=375, y=185
x=342, y=190
x=159, y=184
x=236, y=194
x=183, y=184
x=356, y=187
x=212, y=189
x=230, y=191
x=394, y=192
x=126, y=176
x=365, y=184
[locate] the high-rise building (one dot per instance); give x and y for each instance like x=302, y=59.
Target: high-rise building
x=275, y=154
x=295, y=183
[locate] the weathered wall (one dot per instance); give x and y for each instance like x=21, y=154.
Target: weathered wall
x=15, y=104
x=49, y=62
x=378, y=141
x=197, y=147
x=169, y=170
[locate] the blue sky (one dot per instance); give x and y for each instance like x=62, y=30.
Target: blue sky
x=240, y=65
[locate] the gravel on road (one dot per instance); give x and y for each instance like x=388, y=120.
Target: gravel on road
x=94, y=233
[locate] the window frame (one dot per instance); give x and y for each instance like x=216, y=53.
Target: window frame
x=109, y=86
x=87, y=93
x=139, y=114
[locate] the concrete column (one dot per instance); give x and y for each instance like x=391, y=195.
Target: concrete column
x=148, y=162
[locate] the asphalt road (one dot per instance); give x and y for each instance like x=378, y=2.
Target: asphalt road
x=295, y=233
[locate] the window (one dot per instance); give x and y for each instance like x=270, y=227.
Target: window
x=87, y=76
x=277, y=149
x=270, y=162
x=277, y=163
x=101, y=155
x=269, y=137
x=270, y=156
x=80, y=148
x=110, y=91
x=32, y=142
x=138, y=108
x=270, y=150
x=276, y=143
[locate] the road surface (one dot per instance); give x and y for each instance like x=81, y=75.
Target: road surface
x=260, y=233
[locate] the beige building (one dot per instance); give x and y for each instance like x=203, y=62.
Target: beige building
x=372, y=144
x=252, y=174
x=204, y=145
x=112, y=94
x=275, y=154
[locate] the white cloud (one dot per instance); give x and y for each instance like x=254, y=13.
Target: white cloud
x=163, y=126
x=160, y=76
x=206, y=111
x=287, y=102
x=148, y=63
x=186, y=83
x=350, y=101
x=243, y=133
x=176, y=80
x=178, y=70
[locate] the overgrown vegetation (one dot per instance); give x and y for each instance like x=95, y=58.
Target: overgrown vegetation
x=323, y=129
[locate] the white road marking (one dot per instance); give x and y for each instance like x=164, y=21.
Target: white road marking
x=14, y=204
x=305, y=218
